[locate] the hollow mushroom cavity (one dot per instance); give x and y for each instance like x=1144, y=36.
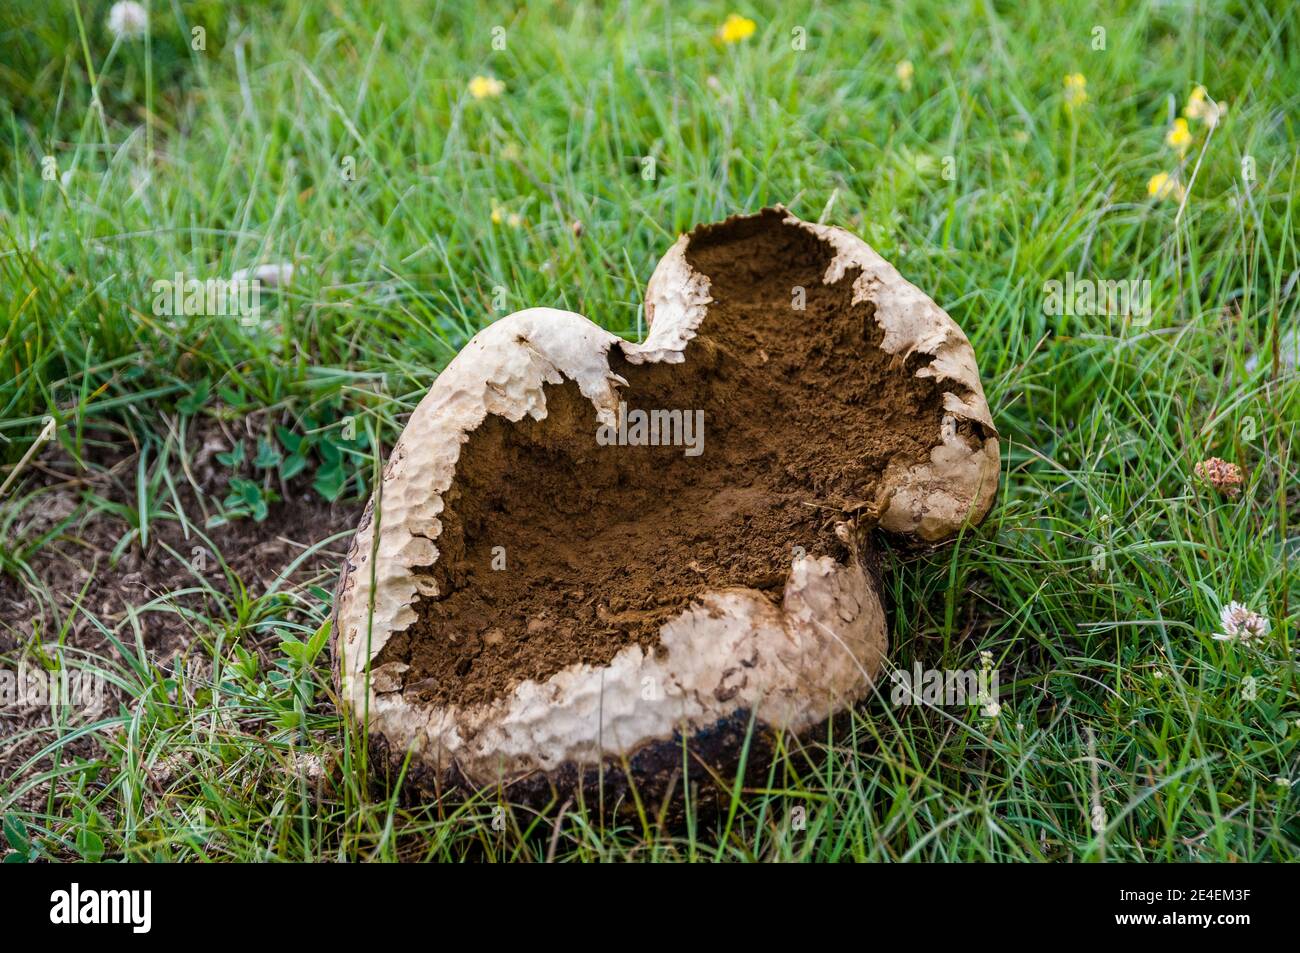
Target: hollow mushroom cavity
x=588, y=556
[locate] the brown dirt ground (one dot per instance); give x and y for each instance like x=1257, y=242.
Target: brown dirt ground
x=80, y=554
x=73, y=577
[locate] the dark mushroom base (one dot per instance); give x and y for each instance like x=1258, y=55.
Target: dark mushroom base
x=650, y=781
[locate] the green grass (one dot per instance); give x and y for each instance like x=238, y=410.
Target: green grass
x=1096, y=583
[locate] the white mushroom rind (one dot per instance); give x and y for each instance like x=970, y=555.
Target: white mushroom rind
x=912, y=322
x=502, y=371
x=732, y=650
x=676, y=300
x=957, y=484
x=792, y=666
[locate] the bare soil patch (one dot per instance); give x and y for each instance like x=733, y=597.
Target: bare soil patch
x=175, y=569
x=73, y=576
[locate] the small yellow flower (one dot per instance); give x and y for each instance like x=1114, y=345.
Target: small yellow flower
x=485, y=87
x=1164, y=186
x=736, y=28
x=904, y=71
x=500, y=215
x=1179, y=137
x=1076, y=90
x=1201, y=106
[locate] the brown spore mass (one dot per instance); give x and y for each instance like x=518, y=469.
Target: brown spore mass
x=803, y=411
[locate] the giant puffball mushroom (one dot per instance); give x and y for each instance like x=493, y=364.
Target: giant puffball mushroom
x=533, y=606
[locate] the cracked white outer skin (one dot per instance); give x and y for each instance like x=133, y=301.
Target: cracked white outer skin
x=957, y=484
x=793, y=665
x=932, y=499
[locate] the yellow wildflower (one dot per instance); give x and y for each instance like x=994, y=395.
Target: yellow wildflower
x=485, y=87
x=1164, y=186
x=1201, y=106
x=1076, y=90
x=501, y=214
x=904, y=71
x=1179, y=137
x=736, y=28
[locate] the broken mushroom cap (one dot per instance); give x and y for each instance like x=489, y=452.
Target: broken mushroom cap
x=733, y=655
x=934, y=498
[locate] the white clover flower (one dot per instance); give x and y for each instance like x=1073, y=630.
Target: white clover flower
x=272, y=276
x=1241, y=624
x=309, y=766
x=127, y=20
